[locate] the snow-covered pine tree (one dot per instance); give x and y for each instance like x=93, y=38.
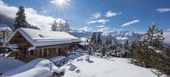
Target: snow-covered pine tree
x=126, y=49
x=66, y=26
x=154, y=36
x=20, y=19
x=149, y=51
x=54, y=26
x=60, y=26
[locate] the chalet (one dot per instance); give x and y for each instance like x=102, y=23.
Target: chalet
x=41, y=43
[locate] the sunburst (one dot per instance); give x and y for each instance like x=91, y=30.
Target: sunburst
x=61, y=3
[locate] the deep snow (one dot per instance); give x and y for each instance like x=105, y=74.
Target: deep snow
x=7, y=64
x=40, y=67
x=99, y=67
x=81, y=66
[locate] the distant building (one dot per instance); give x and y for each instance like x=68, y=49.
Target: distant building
x=41, y=43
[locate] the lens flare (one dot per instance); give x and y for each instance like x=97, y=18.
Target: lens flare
x=60, y=3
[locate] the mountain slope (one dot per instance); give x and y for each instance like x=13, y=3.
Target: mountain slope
x=98, y=67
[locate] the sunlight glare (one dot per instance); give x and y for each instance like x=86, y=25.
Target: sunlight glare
x=61, y=3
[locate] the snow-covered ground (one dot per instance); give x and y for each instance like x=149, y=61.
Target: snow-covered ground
x=98, y=67
x=7, y=64
x=37, y=68
x=82, y=66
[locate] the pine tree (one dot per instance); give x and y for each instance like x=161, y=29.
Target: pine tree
x=20, y=19
x=126, y=49
x=53, y=28
x=60, y=26
x=144, y=51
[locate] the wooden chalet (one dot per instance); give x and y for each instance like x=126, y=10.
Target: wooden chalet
x=40, y=43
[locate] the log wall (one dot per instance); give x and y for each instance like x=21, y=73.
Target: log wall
x=53, y=50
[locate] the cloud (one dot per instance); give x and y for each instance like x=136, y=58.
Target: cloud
x=101, y=26
x=86, y=28
x=103, y=29
x=130, y=23
x=117, y=29
x=32, y=17
x=168, y=30
x=163, y=10
x=111, y=14
x=102, y=21
x=97, y=15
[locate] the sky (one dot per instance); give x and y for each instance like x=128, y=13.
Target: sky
x=94, y=15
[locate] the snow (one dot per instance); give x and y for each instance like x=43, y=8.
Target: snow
x=167, y=38
x=122, y=38
x=59, y=60
x=4, y=28
x=84, y=41
x=81, y=65
x=155, y=49
x=7, y=64
x=37, y=68
x=117, y=67
x=41, y=37
x=84, y=66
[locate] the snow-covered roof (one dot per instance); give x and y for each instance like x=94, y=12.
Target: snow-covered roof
x=4, y=28
x=44, y=38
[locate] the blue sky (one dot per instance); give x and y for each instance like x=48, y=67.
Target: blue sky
x=134, y=15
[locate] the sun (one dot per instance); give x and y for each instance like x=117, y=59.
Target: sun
x=60, y=3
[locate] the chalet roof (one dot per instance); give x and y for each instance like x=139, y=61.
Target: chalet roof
x=43, y=38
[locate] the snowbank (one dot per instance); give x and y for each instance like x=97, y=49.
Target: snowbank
x=37, y=68
x=117, y=67
x=7, y=64
x=59, y=60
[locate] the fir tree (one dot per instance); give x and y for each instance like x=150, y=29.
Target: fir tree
x=53, y=28
x=60, y=26
x=20, y=19
x=145, y=51
x=126, y=49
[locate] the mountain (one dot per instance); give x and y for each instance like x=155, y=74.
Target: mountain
x=122, y=36
x=117, y=36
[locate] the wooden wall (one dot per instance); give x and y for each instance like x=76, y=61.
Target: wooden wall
x=53, y=50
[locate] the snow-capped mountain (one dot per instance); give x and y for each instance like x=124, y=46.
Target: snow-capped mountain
x=117, y=36
x=122, y=36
